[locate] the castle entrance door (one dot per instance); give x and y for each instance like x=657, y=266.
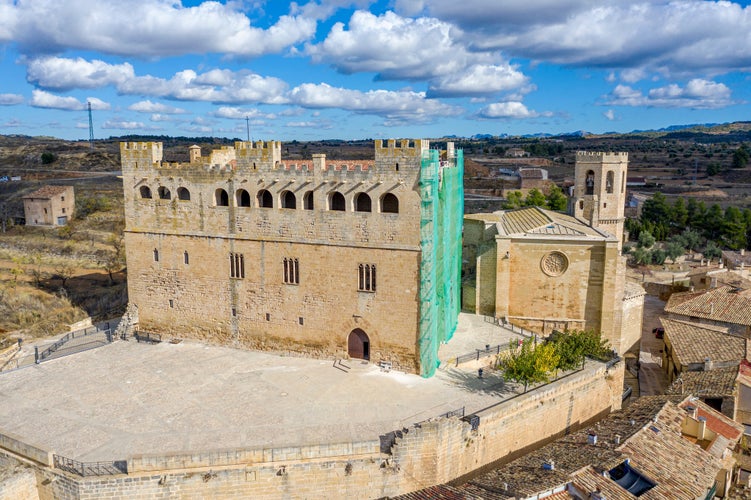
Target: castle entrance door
x=358, y=344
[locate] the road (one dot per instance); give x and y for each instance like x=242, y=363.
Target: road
x=652, y=378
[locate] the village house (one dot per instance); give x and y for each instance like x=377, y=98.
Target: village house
x=726, y=306
x=49, y=206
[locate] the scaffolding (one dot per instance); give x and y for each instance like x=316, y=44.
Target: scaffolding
x=441, y=218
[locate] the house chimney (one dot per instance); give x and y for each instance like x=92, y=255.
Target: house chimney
x=592, y=438
x=701, y=432
x=708, y=365
x=617, y=439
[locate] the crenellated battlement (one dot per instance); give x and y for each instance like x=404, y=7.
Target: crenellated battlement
x=406, y=146
x=600, y=156
x=134, y=153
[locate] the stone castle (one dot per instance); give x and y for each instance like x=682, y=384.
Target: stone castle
x=357, y=258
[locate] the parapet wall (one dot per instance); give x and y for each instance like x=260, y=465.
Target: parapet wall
x=432, y=452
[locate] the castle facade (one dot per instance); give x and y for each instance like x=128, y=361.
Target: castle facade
x=358, y=258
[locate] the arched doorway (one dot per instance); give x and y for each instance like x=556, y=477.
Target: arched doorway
x=358, y=345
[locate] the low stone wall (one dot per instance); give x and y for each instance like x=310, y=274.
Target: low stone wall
x=433, y=452
x=25, y=449
x=17, y=482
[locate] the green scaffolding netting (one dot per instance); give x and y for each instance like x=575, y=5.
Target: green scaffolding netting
x=441, y=218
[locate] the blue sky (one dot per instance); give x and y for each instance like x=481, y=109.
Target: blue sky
x=338, y=69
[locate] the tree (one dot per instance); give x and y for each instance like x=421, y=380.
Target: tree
x=740, y=157
x=646, y=240
x=514, y=199
x=713, y=169
x=556, y=199
x=113, y=260
x=535, y=198
x=679, y=213
x=48, y=158
x=658, y=256
x=641, y=256
x=712, y=251
x=656, y=210
x=691, y=239
x=574, y=345
x=529, y=363
x=673, y=250
x=63, y=272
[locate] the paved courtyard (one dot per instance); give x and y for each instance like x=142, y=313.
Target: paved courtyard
x=127, y=398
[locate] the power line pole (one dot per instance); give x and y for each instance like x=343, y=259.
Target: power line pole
x=91, y=127
x=247, y=127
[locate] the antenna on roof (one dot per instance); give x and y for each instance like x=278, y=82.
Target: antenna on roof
x=91, y=126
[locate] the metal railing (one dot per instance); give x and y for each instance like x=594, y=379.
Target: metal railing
x=90, y=468
x=479, y=353
x=150, y=338
x=41, y=356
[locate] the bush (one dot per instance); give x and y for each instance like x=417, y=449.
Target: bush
x=48, y=158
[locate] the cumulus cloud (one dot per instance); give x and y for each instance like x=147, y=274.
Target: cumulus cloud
x=609, y=114
x=65, y=74
x=395, y=47
x=697, y=93
x=122, y=124
x=42, y=99
x=510, y=109
x=396, y=106
x=479, y=79
x=146, y=28
x=679, y=37
x=10, y=99
x=155, y=107
x=235, y=113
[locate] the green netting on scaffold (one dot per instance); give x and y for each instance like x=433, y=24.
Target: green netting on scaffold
x=441, y=218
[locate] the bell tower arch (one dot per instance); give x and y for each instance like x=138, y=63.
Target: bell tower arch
x=600, y=190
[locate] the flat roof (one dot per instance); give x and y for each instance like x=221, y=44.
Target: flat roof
x=127, y=399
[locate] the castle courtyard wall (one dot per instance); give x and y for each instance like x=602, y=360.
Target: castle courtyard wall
x=431, y=452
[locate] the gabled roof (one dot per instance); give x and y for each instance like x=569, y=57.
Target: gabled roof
x=716, y=383
x=725, y=303
x=694, y=343
x=650, y=440
x=539, y=221
x=46, y=192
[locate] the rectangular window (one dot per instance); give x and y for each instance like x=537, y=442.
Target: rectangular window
x=292, y=271
x=62, y=198
x=171, y=304
x=63, y=209
x=268, y=317
x=156, y=255
x=300, y=320
x=186, y=258
x=367, y=278
x=236, y=265
x=234, y=312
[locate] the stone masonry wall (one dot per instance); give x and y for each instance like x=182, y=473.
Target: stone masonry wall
x=178, y=250
x=433, y=452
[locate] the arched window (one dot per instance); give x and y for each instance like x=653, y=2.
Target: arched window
x=288, y=200
x=362, y=202
x=183, y=194
x=242, y=198
x=164, y=193
x=589, y=182
x=609, y=179
x=145, y=192
x=336, y=201
x=221, y=198
x=390, y=204
x=265, y=200
x=307, y=200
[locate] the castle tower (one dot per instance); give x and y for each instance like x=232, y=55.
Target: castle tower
x=195, y=153
x=600, y=190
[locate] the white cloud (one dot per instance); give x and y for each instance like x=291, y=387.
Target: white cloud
x=42, y=99
x=510, y=109
x=316, y=125
x=97, y=104
x=235, y=113
x=395, y=47
x=479, y=79
x=155, y=107
x=396, y=106
x=698, y=93
x=122, y=125
x=61, y=73
x=609, y=114
x=146, y=28
x=10, y=99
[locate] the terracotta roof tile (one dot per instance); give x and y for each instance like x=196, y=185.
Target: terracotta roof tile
x=724, y=303
x=48, y=191
x=693, y=343
x=719, y=382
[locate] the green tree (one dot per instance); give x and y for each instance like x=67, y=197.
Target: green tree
x=713, y=169
x=535, y=198
x=48, y=158
x=646, y=240
x=740, y=157
x=679, y=214
x=641, y=256
x=658, y=256
x=712, y=251
x=574, y=345
x=514, y=199
x=673, y=250
x=556, y=199
x=529, y=364
x=656, y=210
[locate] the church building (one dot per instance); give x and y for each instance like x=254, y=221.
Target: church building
x=545, y=270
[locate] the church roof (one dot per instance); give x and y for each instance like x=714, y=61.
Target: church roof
x=539, y=221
